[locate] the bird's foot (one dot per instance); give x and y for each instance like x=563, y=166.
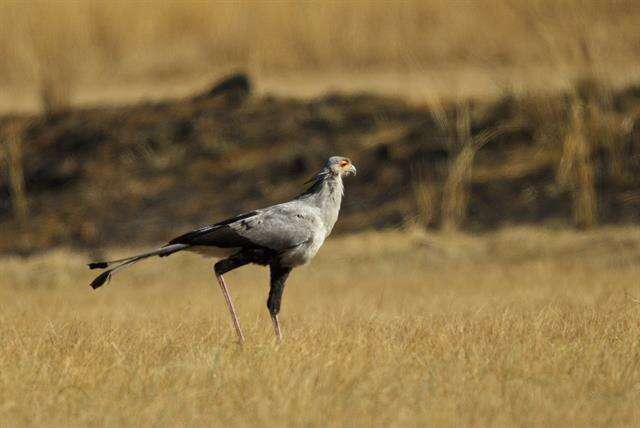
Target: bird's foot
x=276, y=328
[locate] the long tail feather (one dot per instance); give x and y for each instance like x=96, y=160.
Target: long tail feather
x=100, y=279
x=164, y=251
x=99, y=265
x=106, y=275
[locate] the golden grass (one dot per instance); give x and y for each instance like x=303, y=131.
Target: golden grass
x=96, y=51
x=519, y=327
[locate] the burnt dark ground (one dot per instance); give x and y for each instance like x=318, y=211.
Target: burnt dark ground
x=145, y=173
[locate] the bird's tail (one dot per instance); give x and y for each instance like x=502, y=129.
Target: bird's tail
x=116, y=265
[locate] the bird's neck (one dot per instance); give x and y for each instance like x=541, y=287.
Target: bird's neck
x=326, y=194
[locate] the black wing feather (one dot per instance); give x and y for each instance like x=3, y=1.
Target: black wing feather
x=217, y=235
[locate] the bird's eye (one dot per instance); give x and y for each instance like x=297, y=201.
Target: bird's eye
x=344, y=163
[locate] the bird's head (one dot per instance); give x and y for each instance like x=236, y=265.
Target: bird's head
x=338, y=165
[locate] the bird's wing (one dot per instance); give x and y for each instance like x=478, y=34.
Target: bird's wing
x=279, y=227
x=217, y=235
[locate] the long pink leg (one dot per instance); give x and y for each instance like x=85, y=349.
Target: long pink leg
x=234, y=317
x=276, y=327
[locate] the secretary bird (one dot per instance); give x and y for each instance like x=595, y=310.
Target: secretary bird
x=281, y=236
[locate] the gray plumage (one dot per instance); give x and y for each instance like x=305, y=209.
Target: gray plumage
x=282, y=236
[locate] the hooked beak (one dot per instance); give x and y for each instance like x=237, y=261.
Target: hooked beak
x=351, y=170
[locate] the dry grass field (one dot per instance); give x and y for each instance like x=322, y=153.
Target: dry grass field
x=96, y=52
x=521, y=327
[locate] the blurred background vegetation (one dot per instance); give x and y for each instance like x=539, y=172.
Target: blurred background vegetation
x=85, y=50
x=465, y=115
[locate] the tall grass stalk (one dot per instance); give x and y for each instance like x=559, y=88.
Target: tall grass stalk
x=15, y=171
x=576, y=169
x=463, y=147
